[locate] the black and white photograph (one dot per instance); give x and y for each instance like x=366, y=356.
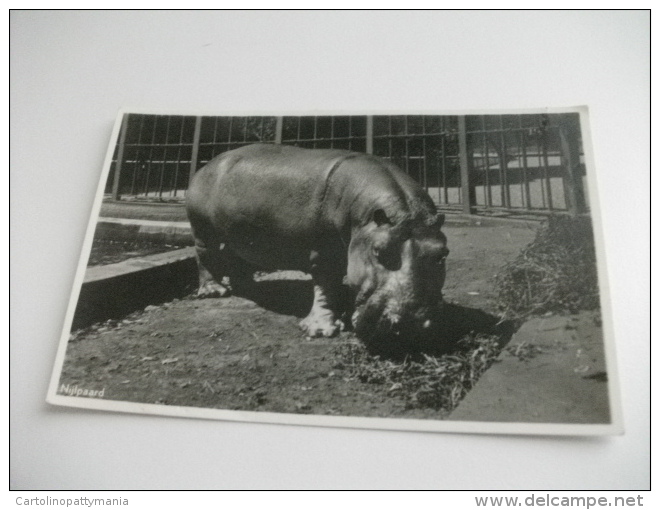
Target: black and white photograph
x=330, y=249
x=412, y=271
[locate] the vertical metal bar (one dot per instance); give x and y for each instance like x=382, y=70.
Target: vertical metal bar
x=540, y=172
x=332, y=131
x=546, y=176
x=498, y=150
x=138, y=155
x=519, y=152
x=370, y=134
x=279, y=128
x=389, y=139
x=444, y=162
x=525, y=169
x=565, y=185
x=135, y=170
x=195, y=149
x=173, y=163
x=467, y=190
x=214, y=140
x=316, y=120
x=231, y=126
x=424, y=166
x=504, y=169
x=350, y=132
x=146, y=179
x=164, y=164
x=178, y=157
x=517, y=177
x=406, y=144
x=405, y=155
x=486, y=164
x=569, y=130
x=151, y=156
x=120, y=156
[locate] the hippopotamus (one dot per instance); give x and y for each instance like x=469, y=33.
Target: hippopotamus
x=349, y=219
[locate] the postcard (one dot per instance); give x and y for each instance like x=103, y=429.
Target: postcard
x=420, y=271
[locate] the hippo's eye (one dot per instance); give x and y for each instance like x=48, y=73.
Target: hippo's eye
x=378, y=249
x=379, y=252
x=388, y=256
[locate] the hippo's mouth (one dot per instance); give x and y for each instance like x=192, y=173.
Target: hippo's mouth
x=397, y=334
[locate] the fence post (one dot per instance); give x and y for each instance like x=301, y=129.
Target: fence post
x=370, y=134
x=467, y=189
x=120, y=156
x=195, y=149
x=569, y=130
x=279, y=127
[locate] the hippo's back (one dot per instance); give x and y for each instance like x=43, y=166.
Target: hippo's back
x=269, y=184
x=280, y=199
x=264, y=202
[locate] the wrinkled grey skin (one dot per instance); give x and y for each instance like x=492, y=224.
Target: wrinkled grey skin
x=343, y=217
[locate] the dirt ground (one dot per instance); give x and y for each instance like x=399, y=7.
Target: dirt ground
x=232, y=353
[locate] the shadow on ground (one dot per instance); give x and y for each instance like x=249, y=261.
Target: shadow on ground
x=287, y=297
x=462, y=320
x=294, y=297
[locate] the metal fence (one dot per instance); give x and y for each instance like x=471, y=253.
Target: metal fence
x=326, y=132
x=529, y=163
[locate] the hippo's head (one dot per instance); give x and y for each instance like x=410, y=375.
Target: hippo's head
x=397, y=272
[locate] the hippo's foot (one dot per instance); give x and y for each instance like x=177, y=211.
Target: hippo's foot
x=315, y=325
x=212, y=289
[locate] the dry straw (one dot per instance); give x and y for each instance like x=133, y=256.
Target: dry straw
x=556, y=273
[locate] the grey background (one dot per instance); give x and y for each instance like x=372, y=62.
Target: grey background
x=71, y=71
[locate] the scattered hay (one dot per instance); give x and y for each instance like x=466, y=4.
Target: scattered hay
x=554, y=273
x=427, y=382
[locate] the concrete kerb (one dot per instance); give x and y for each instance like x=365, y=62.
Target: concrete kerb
x=115, y=290
x=471, y=220
x=552, y=371
x=124, y=229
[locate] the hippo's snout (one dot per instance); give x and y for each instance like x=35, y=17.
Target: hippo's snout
x=399, y=329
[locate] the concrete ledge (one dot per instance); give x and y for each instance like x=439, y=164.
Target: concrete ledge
x=179, y=232
x=161, y=211
x=553, y=371
x=115, y=290
x=472, y=220
x=124, y=229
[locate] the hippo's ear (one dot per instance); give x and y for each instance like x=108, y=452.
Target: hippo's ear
x=381, y=218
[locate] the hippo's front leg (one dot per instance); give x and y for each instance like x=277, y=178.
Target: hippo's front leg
x=324, y=319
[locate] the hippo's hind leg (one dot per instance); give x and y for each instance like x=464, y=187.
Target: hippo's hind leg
x=324, y=319
x=212, y=265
